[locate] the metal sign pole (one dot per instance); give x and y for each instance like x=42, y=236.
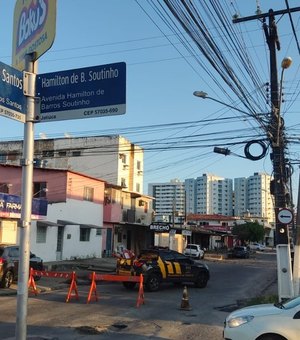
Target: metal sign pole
x=26, y=201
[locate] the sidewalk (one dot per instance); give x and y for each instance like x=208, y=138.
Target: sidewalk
x=82, y=267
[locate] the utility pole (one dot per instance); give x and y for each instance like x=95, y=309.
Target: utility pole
x=277, y=140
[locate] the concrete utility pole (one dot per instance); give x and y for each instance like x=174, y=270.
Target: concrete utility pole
x=278, y=144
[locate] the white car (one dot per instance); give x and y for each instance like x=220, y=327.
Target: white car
x=280, y=321
x=194, y=250
x=257, y=246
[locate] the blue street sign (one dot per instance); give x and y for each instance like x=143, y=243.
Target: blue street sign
x=12, y=99
x=83, y=93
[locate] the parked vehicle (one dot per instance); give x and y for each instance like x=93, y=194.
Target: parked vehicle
x=278, y=321
x=240, y=252
x=194, y=250
x=257, y=246
x=163, y=265
x=9, y=261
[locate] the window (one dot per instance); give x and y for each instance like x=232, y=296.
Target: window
x=12, y=156
x=41, y=233
x=88, y=194
x=122, y=156
x=3, y=158
x=123, y=182
x=76, y=153
x=98, y=232
x=4, y=187
x=138, y=165
x=48, y=153
x=138, y=187
x=62, y=153
x=85, y=234
x=39, y=190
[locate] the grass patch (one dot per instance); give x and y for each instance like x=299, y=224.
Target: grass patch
x=261, y=300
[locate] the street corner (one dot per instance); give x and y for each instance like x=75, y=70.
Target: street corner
x=12, y=290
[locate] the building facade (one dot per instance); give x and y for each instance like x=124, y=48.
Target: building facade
x=72, y=225
x=112, y=158
x=169, y=202
x=212, y=195
x=252, y=196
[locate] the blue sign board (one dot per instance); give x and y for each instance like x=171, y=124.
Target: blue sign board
x=82, y=93
x=10, y=206
x=12, y=99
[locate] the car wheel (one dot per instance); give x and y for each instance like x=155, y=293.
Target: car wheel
x=201, y=281
x=129, y=285
x=7, y=280
x=271, y=337
x=153, y=283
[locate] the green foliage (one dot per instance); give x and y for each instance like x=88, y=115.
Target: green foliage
x=262, y=299
x=249, y=232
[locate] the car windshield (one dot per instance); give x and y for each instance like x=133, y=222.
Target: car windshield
x=191, y=247
x=291, y=303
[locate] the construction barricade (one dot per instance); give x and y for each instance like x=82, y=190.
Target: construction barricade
x=120, y=278
x=73, y=291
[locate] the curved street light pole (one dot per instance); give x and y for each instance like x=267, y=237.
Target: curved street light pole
x=204, y=95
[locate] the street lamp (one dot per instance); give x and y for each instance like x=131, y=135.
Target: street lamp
x=204, y=95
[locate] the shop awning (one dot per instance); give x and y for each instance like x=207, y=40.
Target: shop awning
x=81, y=225
x=44, y=223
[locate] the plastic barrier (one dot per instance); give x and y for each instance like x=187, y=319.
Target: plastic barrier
x=120, y=278
x=31, y=282
x=73, y=291
x=93, y=289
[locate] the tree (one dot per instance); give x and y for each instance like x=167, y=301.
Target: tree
x=249, y=232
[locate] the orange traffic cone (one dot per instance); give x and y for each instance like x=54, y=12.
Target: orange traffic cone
x=185, y=304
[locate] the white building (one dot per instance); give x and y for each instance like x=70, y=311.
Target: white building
x=169, y=199
x=214, y=195
x=112, y=158
x=240, y=196
x=252, y=195
x=190, y=190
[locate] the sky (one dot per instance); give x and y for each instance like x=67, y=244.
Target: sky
x=177, y=130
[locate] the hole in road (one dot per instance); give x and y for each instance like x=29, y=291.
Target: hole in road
x=119, y=326
x=91, y=330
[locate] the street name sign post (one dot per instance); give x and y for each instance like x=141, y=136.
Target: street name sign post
x=33, y=34
x=12, y=99
x=88, y=92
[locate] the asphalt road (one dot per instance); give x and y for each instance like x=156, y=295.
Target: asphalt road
x=115, y=315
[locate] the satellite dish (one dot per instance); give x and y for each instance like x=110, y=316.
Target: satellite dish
x=43, y=135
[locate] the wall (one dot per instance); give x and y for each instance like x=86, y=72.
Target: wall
x=93, y=248
x=78, y=212
x=8, y=231
x=47, y=251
